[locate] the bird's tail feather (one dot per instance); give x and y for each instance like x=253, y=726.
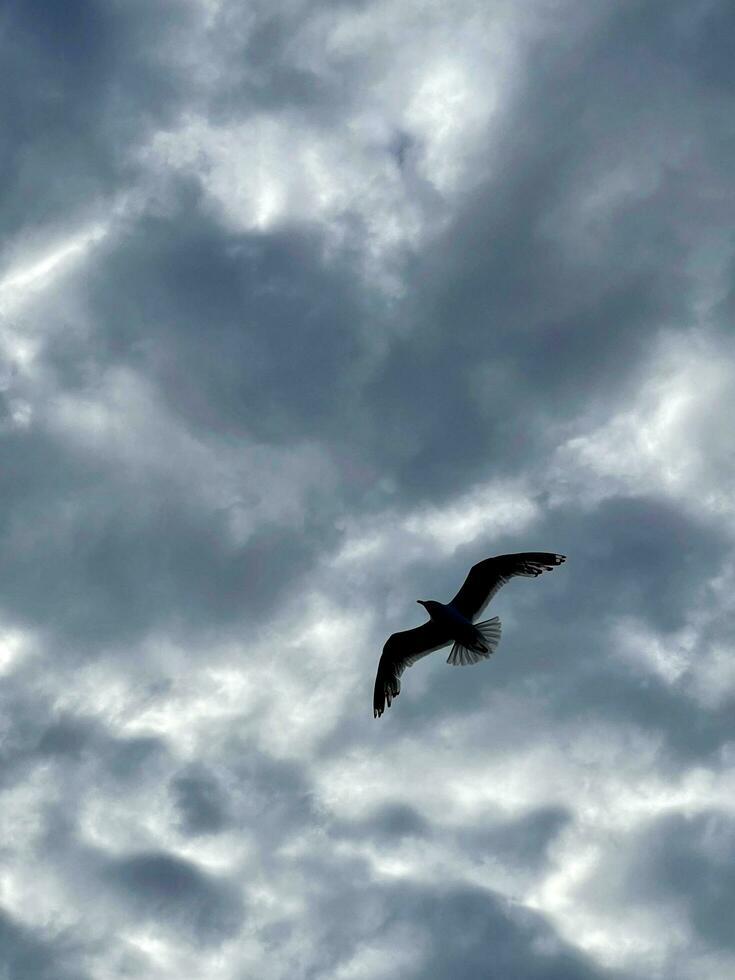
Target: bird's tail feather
x=461, y=656
x=491, y=630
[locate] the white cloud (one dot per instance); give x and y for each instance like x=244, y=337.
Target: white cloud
x=663, y=441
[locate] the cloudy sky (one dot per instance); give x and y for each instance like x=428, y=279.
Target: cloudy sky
x=301, y=314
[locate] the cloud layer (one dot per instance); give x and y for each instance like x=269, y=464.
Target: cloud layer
x=301, y=314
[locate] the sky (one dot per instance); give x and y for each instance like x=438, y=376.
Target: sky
x=304, y=309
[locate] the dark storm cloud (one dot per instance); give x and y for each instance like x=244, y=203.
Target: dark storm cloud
x=689, y=862
x=475, y=933
x=521, y=843
x=83, y=81
x=272, y=795
x=689, y=735
x=248, y=792
x=72, y=739
x=200, y=801
x=176, y=894
x=76, y=747
x=244, y=333
x=391, y=823
x=211, y=317
x=26, y=953
x=647, y=562
x=454, y=931
x=689, y=39
x=260, y=70
x=97, y=556
x=637, y=556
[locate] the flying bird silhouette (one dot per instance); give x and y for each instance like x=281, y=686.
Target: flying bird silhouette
x=454, y=623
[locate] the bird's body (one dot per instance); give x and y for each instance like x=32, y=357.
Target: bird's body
x=455, y=622
x=459, y=628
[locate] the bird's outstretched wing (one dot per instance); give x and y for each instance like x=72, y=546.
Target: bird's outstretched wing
x=400, y=651
x=486, y=577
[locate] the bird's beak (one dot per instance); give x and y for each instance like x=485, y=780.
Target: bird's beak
x=421, y=602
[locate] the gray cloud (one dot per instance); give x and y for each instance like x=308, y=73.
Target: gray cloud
x=172, y=892
x=200, y=801
x=29, y=953
x=687, y=861
x=460, y=928
x=81, y=86
x=247, y=372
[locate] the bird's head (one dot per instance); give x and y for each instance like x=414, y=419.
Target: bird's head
x=430, y=605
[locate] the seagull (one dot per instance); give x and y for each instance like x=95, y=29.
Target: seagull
x=455, y=622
